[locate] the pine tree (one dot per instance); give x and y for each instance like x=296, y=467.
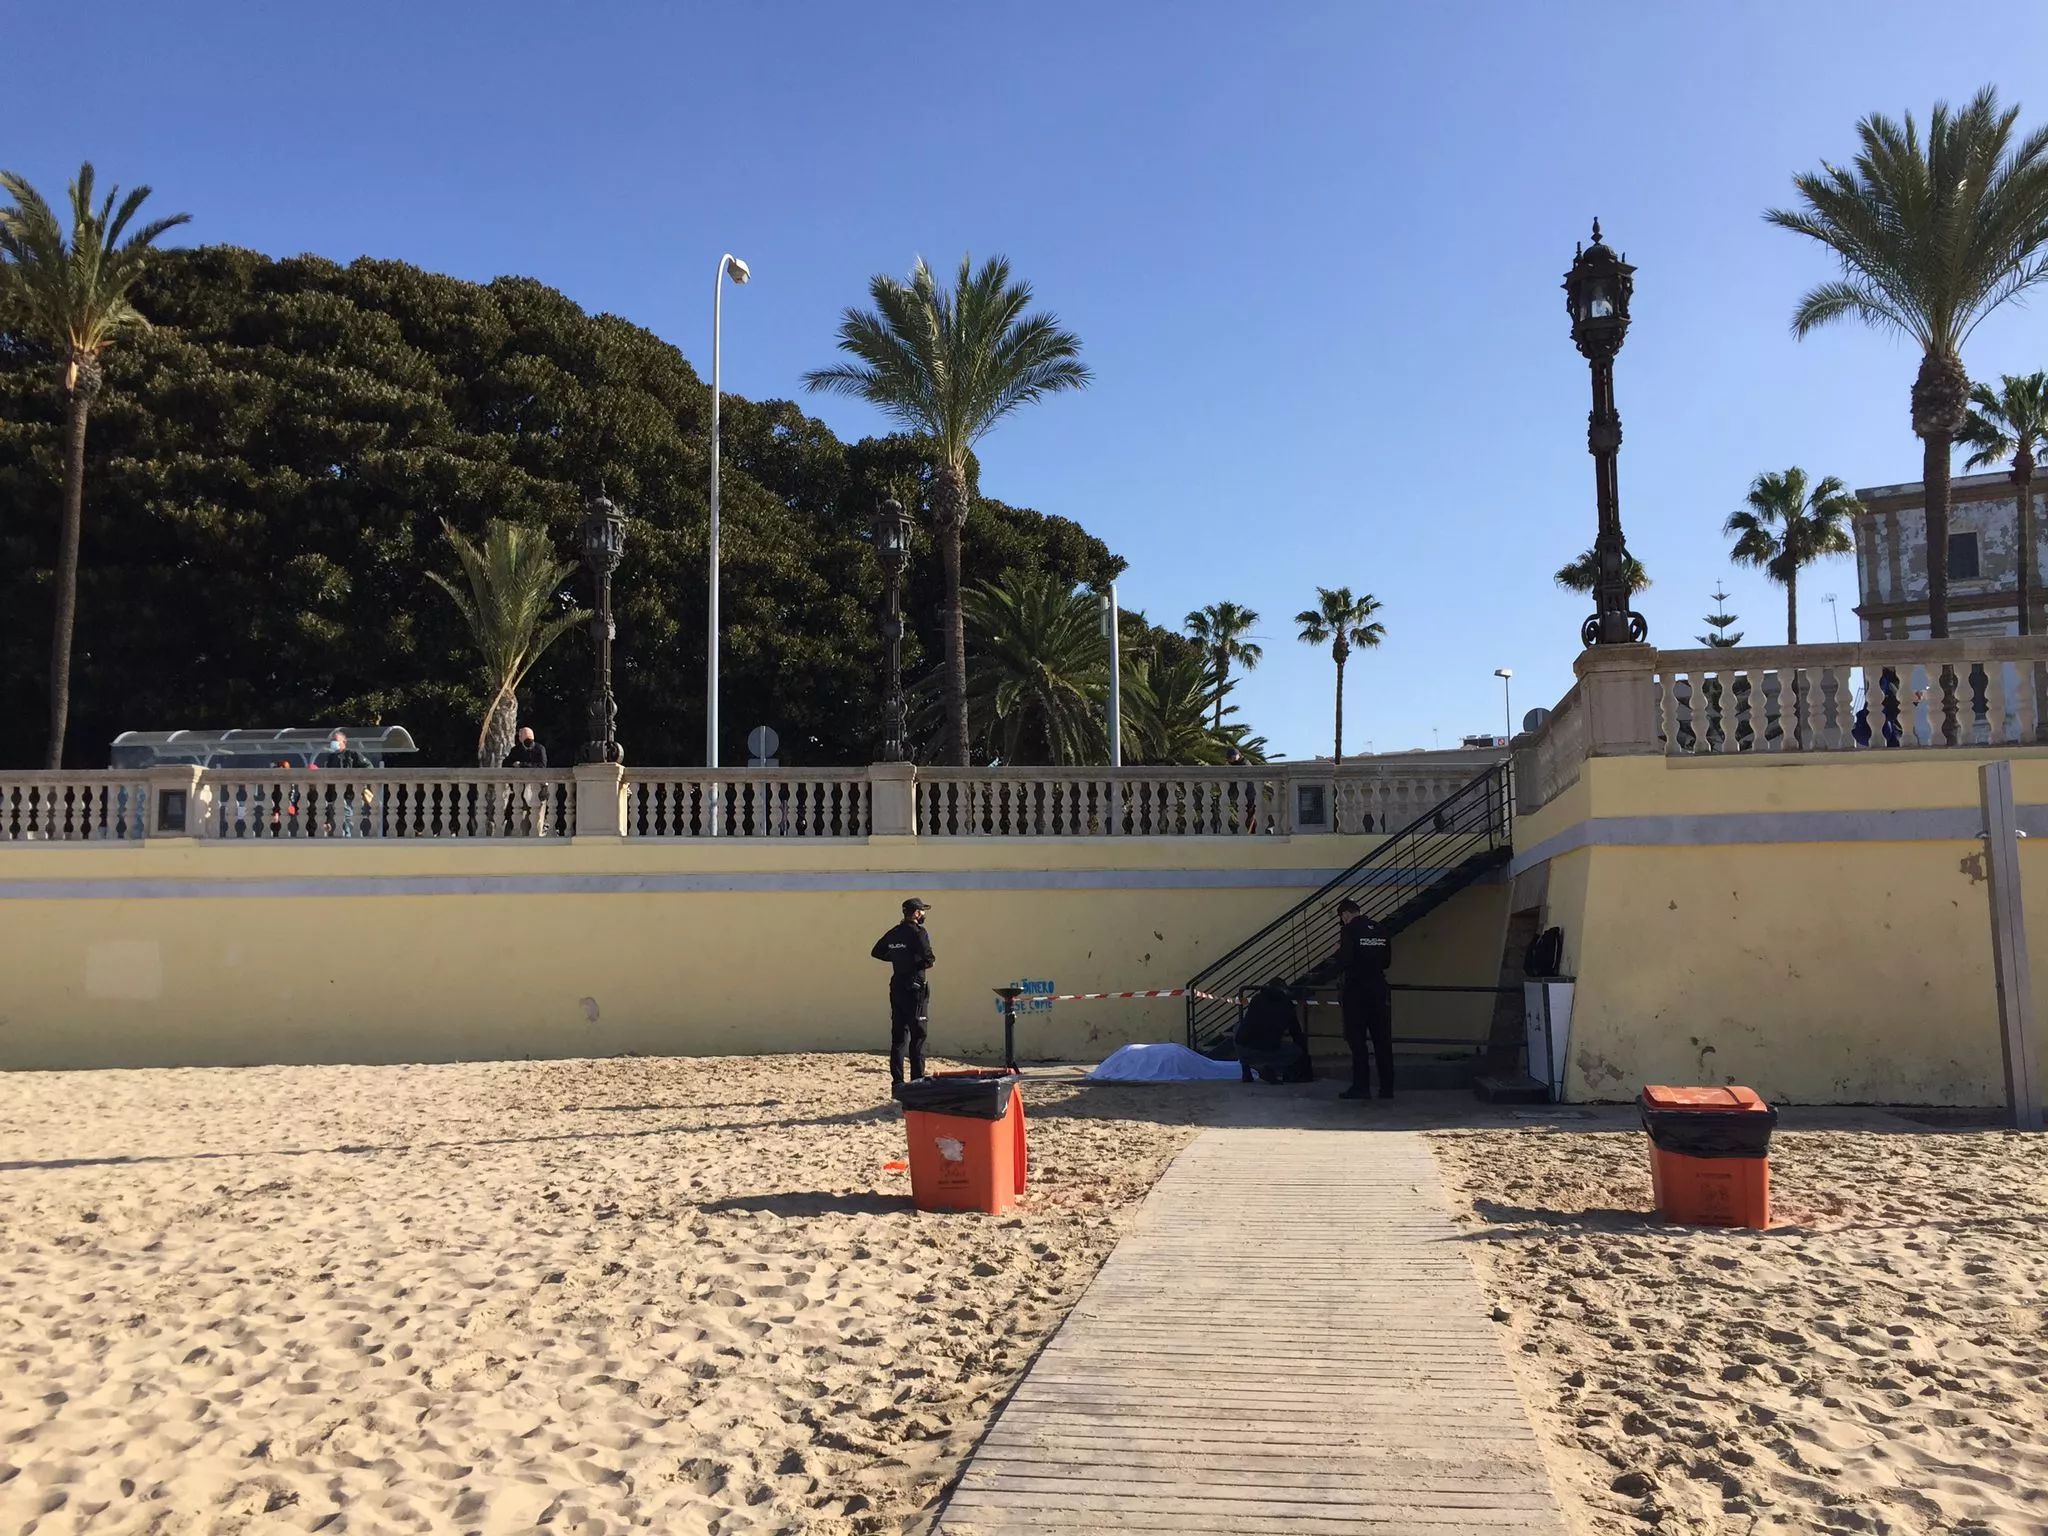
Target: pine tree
x=1719, y=620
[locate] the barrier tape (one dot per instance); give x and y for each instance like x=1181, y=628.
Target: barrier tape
x=1090, y=997
x=1207, y=997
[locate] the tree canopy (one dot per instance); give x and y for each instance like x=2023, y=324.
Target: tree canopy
x=273, y=462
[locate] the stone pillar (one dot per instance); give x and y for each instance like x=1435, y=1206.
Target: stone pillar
x=600, y=800
x=1311, y=799
x=892, y=800
x=1617, y=691
x=176, y=805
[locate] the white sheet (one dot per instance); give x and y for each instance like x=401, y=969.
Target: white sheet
x=1161, y=1064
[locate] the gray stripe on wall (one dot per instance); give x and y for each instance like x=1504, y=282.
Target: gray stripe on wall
x=1951, y=824
x=852, y=881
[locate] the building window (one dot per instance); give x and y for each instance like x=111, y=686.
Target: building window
x=1962, y=557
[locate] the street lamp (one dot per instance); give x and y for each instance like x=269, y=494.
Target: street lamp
x=892, y=544
x=604, y=541
x=1597, y=290
x=1507, y=698
x=728, y=266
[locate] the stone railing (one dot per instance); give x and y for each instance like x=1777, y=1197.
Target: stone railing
x=41, y=807
x=1547, y=763
x=747, y=802
x=679, y=804
x=1769, y=701
x=284, y=804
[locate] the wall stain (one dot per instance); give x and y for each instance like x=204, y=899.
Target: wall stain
x=589, y=1006
x=1973, y=865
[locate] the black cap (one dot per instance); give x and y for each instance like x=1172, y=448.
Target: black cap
x=916, y=904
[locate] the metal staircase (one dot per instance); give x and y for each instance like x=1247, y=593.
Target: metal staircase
x=1415, y=871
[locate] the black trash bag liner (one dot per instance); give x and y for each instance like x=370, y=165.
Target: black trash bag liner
x=971, y=1098
x=1709, y=1133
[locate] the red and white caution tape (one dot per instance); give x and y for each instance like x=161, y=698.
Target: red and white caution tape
x=1090, y=997
x=1207, y=997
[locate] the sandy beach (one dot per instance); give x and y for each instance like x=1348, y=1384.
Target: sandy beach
x=1876, y=1362
x=583, y=1296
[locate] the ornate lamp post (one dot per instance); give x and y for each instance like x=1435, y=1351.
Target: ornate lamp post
x=892, y=543
x=1597, y=290
x=604, y=541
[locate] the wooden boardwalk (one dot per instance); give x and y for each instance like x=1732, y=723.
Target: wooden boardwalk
x=1290, y=1340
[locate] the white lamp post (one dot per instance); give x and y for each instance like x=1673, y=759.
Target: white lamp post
x=728, y=265
x=1116, y=688
x=1507, y=698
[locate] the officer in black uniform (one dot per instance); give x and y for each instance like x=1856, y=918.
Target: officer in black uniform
x=1364, y=951
x=908, y=948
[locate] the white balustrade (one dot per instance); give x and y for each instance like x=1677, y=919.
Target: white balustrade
x=750, y=802
x=1096, y=802
x=285, y=804
x=67, y=807
x=1371, y=796
x=1870, y=696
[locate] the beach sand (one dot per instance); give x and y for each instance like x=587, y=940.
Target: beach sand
x=1876, y=1362
x=578, y=1296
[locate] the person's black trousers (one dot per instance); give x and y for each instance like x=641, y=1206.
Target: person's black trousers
x=909, y=1007
x=1369, y=1021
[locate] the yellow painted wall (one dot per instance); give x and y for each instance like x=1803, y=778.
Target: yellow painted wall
x=1820, y=971
x=185, y=953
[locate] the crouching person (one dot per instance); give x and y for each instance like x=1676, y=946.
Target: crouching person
x=1270, y=1039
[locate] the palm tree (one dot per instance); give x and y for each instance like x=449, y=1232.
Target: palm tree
x=1583, y=574
x=1220, y=630
x=951, y=365
x=1168, y=700
x=1786, y=527
x=1343, y=621
x=74, y=300
x=1932, y=237
x=2008, y=424
x=1039, y=686
x=513, y=606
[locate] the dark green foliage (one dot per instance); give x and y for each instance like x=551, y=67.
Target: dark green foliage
x=270, y=468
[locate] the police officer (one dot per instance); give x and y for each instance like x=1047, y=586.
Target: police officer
x=1364, y=951
x=908, y=948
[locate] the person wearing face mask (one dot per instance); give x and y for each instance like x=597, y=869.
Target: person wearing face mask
x=526, y=751
x=908, y=949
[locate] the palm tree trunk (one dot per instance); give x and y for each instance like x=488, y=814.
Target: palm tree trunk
x=1934, y=477
x=1941, y=396
x=1222, y=677
x=2023, y=474
x=1337, y=752
x=501, y=724
x=85, y=387
x=1792, y=607
x=949, y=503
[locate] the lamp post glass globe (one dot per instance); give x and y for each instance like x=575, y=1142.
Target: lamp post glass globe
x=892, y=529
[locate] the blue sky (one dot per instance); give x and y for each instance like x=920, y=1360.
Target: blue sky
x=1313, y=252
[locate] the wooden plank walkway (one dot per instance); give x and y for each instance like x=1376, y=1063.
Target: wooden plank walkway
x=1290, y=1340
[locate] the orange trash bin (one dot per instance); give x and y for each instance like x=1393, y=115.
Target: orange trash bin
x=1710, y=1162
x=967, y=1146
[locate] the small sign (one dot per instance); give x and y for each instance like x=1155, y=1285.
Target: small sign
x=1024, y=1006
x=762, y=742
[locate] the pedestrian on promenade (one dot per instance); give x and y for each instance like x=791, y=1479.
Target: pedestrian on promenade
x=908, y=949
x=1364, y=951
x=527, y=752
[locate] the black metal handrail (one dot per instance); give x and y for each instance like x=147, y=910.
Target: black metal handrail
x=1415, y=870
